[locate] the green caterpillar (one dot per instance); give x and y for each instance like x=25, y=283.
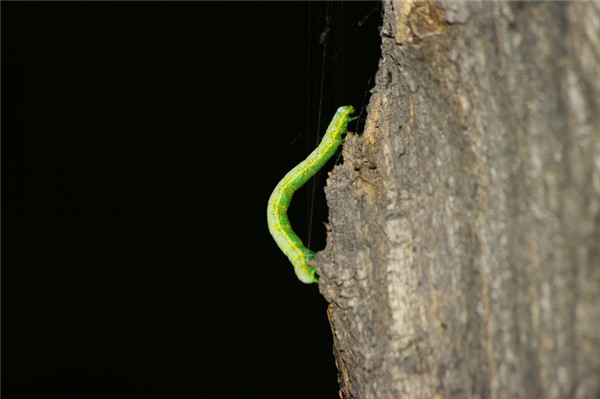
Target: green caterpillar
x=279, y=202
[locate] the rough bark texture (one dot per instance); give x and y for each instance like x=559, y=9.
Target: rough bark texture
x=463, y=258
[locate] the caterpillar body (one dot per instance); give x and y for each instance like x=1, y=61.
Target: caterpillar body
x=279, y=202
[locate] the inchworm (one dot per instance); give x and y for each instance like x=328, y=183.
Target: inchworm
x=279, y=202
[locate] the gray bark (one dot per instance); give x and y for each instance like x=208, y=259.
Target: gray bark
x=463, y=253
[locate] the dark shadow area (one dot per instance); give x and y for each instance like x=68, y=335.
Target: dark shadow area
x=140, y=144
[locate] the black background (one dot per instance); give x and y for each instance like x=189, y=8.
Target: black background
x=140, y=144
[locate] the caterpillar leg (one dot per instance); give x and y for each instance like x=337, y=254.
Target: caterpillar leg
x=307, y=274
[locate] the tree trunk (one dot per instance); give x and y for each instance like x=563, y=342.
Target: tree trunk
x=463, y=257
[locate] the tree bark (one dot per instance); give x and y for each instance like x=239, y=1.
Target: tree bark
x=463, y=253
